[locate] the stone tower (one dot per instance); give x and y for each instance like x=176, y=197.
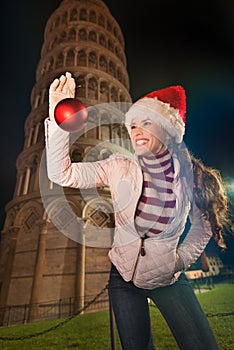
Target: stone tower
x=39, y=264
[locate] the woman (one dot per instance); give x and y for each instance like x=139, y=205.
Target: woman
x=152, y=199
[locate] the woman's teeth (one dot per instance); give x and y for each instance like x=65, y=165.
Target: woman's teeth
x=141, y=142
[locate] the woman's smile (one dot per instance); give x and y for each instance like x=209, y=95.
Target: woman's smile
x=141, y=141
x=146, y=136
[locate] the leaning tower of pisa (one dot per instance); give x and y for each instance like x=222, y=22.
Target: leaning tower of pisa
x=39, y=264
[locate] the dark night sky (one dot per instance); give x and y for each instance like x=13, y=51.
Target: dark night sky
x=167, y=43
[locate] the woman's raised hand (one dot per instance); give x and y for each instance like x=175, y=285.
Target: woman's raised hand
x=60, y=89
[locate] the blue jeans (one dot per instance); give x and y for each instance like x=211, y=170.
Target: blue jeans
x=178, y=305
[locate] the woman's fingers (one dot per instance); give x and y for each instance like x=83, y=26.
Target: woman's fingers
x=61, y=88
x=54, y=85
x=71, y=85
x=65, y=84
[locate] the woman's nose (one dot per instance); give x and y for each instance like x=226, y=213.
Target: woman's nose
x=137, y=130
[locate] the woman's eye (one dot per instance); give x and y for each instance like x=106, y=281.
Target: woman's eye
x=133, y=127
x=147, y=123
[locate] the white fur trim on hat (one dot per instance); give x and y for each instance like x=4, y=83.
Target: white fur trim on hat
x=161, y=113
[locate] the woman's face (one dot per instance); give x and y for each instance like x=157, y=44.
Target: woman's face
x=147, y=137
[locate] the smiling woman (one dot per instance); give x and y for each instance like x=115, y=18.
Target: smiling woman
x=152, y=193
x=173, y=54
x=147, y=137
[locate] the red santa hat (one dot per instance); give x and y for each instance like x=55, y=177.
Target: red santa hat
x=166, y=107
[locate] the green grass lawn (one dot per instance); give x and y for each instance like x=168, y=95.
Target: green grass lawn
x=91, y=331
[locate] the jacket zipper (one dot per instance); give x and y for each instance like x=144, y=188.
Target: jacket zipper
x=141, y=252
x=142, y=246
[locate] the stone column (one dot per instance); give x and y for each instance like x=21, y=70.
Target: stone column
x=36, y=178
x=35, y=136
x=80, y=274
x=26, y=181
x=19, y=185
x=29, y=139
x=7, y=261
x=38, y=272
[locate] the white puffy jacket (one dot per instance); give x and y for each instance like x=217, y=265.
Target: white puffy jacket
x=163, y=259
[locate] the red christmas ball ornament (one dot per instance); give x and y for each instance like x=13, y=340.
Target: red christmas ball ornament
x=70, y=114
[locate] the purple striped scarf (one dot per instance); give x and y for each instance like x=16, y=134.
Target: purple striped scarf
x=156, y=207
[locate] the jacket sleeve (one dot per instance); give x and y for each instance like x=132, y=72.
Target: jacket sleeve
x=61, y=170
x=195, y=241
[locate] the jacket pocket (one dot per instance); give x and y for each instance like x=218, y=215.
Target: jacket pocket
x=157, y=267
x=124, y=258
